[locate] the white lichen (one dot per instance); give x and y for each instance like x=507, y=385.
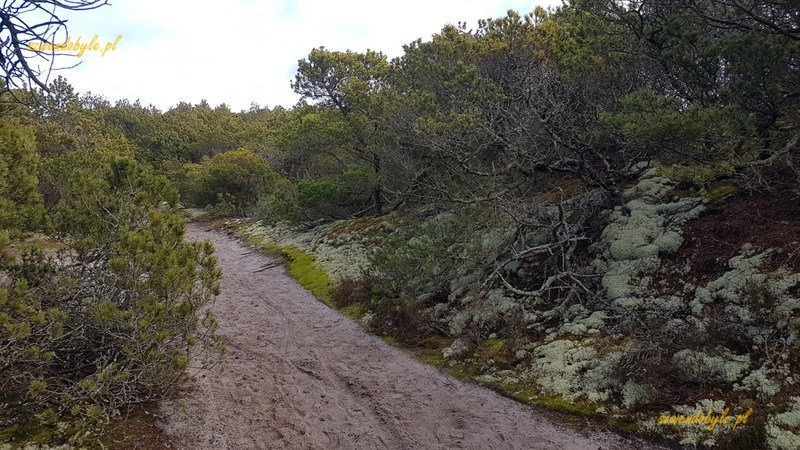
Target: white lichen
x=458, y=349
x=634, y=394
x=783, y=430
x=573, y=370
x=724, y=366
x=647, y=226
x=760, y=382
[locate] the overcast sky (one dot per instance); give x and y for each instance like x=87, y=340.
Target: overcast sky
x=242, y=51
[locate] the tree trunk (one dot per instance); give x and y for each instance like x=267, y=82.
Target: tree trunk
x=377, y=193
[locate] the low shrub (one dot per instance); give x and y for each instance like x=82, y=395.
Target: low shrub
x=113, y=319
x=279, y=204
x=351, y=291
x=405, y=320
x=336, y=197
x=698, y=176
x=235, y=178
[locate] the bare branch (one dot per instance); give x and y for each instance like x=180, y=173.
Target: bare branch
x=21, y=41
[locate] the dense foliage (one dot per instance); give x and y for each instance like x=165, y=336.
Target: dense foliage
x=550, y=177
x=230, y=182
x=108, y=309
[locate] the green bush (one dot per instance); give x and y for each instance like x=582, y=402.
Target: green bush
x=699, y=176
x=336, y=197
x=116, y=326
x=412, y=269
x=20, y=200
x=279, y=204
x=665, y=126
x=235, y=178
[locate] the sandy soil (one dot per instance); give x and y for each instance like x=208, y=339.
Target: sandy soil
x=299, y=375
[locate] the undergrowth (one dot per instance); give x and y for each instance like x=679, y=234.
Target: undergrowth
x=351, y=298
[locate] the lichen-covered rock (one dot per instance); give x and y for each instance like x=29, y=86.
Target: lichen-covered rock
x=761, y=383
x=724, y=367
x=783, y=430
x=700, y=435
x=647, y=226
x=572, y=370
x=634, y=394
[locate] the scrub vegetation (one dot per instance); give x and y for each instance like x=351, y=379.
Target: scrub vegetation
x=592, y=208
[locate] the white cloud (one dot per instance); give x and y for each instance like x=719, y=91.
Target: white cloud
x=241, y=51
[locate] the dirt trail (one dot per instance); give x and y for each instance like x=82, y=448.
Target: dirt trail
x=299, y=375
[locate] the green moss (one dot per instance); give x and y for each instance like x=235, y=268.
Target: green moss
x=561, y=405
x=356, y=226
x=271, y=249
x=355, y=311
x=492, y=352
x=699, y=175
x=519, y=392
x=28, y=432
x=430, y=350
x=252, y=239
x=260, y=243
x=436, y=343
x=529, y=395
x=625, y=425
x=304, y=268
x=493, y=347
x=719, y=193
x=430, y=356
x=464, y=372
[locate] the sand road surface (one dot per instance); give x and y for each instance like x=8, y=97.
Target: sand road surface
x=299, y=375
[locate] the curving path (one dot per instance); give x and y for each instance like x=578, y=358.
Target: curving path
x=299, y=375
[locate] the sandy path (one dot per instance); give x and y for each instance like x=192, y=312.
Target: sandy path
x=299, y=375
